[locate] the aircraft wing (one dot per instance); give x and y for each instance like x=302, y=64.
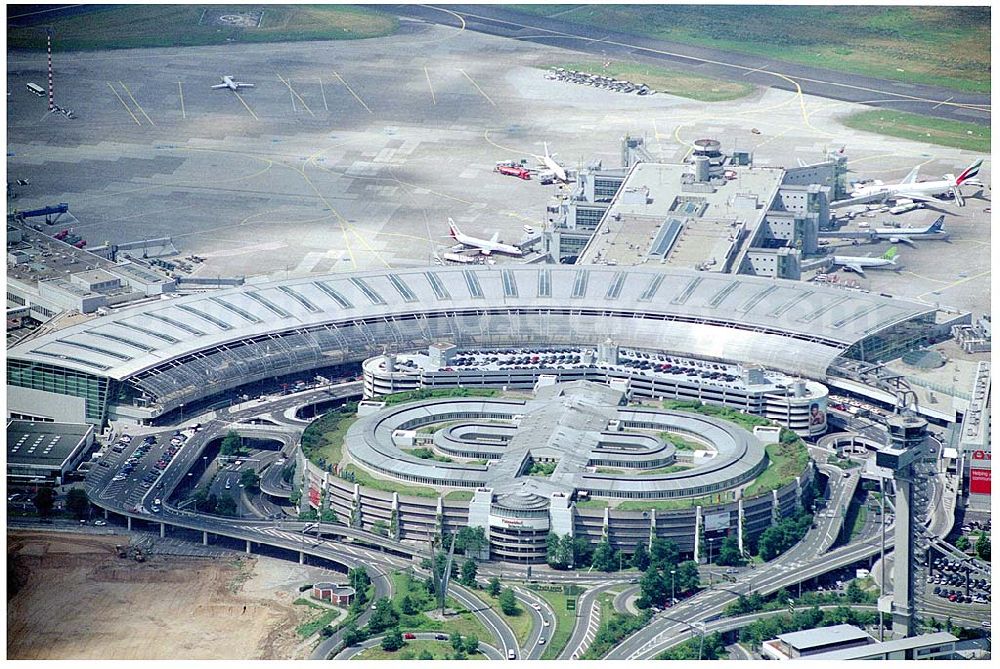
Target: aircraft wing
x=916, y=197
x=911, y=177
x=902, y=240
x=854, y=268
x=240, y=84
x=495, y=238
x=862, y=199
x=220, y=86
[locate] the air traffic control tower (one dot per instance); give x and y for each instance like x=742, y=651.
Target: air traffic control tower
x=908, y=434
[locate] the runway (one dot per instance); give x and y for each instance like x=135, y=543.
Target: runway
x=915, y=98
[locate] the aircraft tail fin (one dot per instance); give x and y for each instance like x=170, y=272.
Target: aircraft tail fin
x=545, y=145
x=891, y=254
x=937, y=225
x=453, y=229
x=970, y=172
x=911, y=177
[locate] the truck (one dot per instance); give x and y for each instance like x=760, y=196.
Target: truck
x=513, y=171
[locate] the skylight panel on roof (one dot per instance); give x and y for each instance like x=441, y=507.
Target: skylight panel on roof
x=222, y=325
x=544, y=283
x=372, y=296
x=509, y=284
x=401, y=288
x=615, y=289
x=177, y=324
x=312, y=308
x=437, y=286
x=473, y=283
x=337, y=297
x=242, y=313
x=580, y=284
x=267, y=304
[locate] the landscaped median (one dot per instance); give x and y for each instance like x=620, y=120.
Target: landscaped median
x=565, y=618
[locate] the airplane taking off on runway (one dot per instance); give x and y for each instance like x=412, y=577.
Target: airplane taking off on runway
x=484, y=246
x=227, y=82
x=909, y=189
x=858, y=264
x=908, y=235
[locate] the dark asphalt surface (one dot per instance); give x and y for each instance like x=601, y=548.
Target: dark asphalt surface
x=505, y=22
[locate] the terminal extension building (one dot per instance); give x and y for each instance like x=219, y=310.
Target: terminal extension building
x=757, y=344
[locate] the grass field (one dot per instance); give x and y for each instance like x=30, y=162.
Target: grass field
x=591, y=503
x=786, y=461
x=388, y=485
x=665, y=80
x=683, y=444
x=968, y=136
x=144, y=26
x=323, y=440
x=519, y=624
x=459, y=496
x=565, y=621
x=440, y=650
x=670, y=504
x=465, y=623
x=644, y=472
x=944, y=46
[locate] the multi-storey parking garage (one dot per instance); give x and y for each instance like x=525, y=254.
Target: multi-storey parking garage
x=143, y=362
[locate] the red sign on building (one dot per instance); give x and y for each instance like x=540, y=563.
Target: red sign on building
x=979, y=481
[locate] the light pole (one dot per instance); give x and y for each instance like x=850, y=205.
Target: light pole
x=673, y=596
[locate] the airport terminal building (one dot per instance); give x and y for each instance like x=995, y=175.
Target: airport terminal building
x=140, y=363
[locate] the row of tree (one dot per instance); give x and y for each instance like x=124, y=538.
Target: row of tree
x=769, y=627
x=982, y=548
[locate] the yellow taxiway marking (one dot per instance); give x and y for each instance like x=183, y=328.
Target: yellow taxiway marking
x=244, y=102
x=136, y=103
x=356, y=96
x=428, y=75
x=477, y=87
x=323, y=93
x=303, y=102
x=123, y=103
x=955, y=284
x=180, y=90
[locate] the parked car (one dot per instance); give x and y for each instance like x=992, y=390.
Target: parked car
x=409, y=635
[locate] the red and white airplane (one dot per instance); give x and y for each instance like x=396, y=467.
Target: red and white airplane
x=923, y=191
x=484, y=246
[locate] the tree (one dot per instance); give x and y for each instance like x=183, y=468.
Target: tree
x=687, y=576
x=471, y=644
x=328, y=515
x=729, y=552
x=640, y=558
x=383, y=617
x=508, y=602
x=380, y=527
x=604, y=557
x=308, y=513
x=407, y=606
x=962, y=543
x=77, y=502
x=352, y=635
x=232, y=443
x=393, y=640
x=45, y=499
x=983, y=546
x=226, y=506
x=552, y=551
x=470, y=540
x=469, y=572
x=425, y=655
x=654, y=589
x=288, y=473
x=664, y=554
x=855, y=594
x=456, y=641
x=249, y=479
x=583, y=552
x=359, y=580
x=494, y=587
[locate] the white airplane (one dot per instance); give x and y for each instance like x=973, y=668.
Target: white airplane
x=910, y=189
x=907, y=235
x=858, y=264
x=227, y=82
x=549, y=163
x=484, y=246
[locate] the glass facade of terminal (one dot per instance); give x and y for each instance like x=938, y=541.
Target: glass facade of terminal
x=892, y=342
x=62, y=381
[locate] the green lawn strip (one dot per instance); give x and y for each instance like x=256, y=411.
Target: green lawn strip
x=144, y=26
x=426, y=394
x=426, y=454
x=440, y=650
x=519, y=624
x=671, y=469
x=957, y=134
x=323, y=439
x=785, y=462
x=565, y=621
x=465, y=623
x=943, y=46
x=857, y=514
x=591, y=503
x=665, y=80
x=459, y=496
x=683, y=444
x=614, y=627
x=306, y=630
x=386, y=485
x=670, y=504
